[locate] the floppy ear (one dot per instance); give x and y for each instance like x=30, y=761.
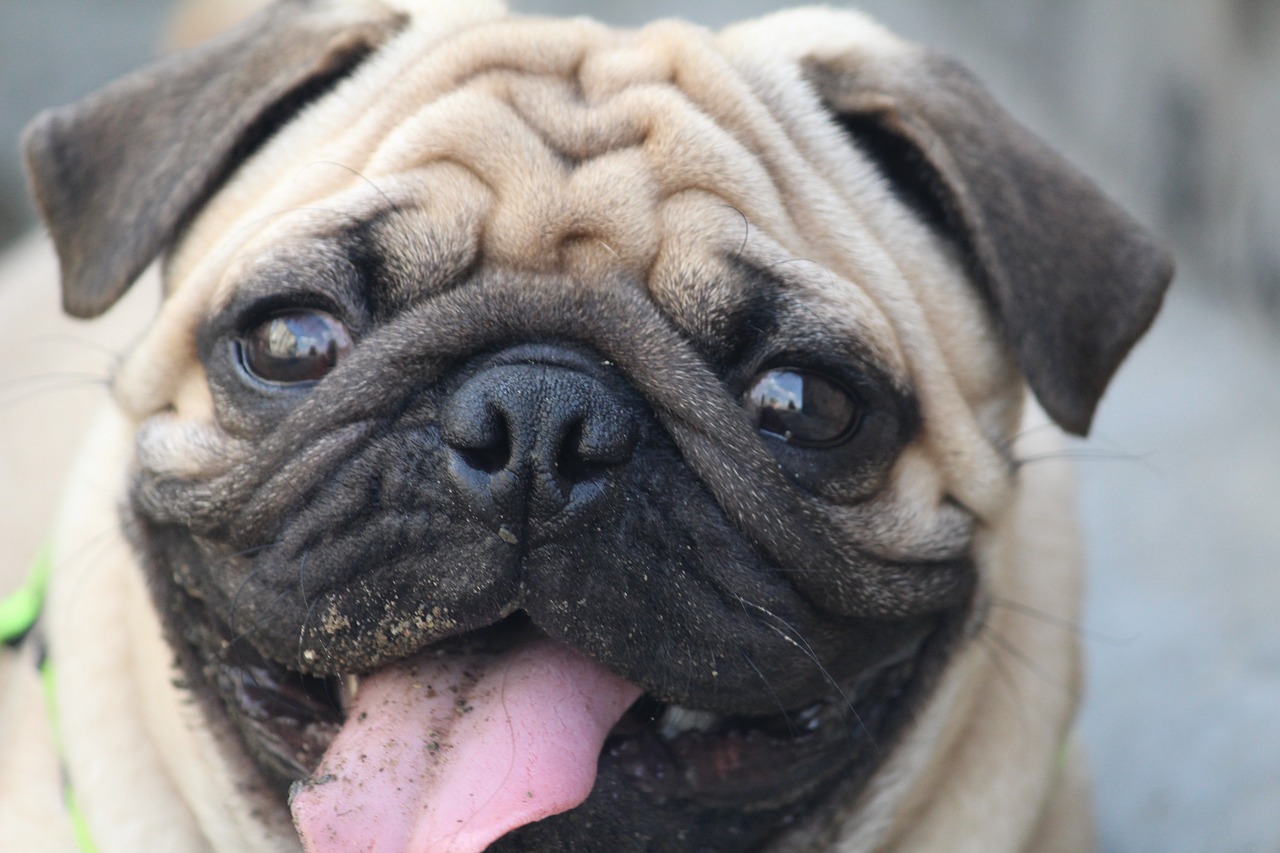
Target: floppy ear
x=1072, y=280
x=117, y=176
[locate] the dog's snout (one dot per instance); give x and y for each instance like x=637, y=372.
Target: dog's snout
x=530, y=441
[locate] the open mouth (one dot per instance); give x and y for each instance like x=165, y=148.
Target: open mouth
x=334, y=734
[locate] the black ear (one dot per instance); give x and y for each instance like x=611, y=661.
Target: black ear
x=117, y=176
x=1073, y=280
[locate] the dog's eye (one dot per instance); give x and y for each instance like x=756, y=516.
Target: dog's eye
x=296, y=346
x=803, y=408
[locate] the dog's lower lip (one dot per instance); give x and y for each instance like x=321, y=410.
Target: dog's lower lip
x=728, y=760
x=661, y=750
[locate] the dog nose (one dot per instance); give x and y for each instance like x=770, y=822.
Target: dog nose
x=527, y=442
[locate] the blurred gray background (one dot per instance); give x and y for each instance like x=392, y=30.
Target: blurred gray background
x=1174, y=105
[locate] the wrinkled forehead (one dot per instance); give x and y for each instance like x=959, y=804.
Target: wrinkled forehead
x=573, y=133
x=557, y=146
x=567, y=130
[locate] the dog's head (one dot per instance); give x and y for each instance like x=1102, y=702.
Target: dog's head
x=532, y=399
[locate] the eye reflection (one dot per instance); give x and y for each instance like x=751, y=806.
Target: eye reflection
x=298, y=346
x=802, y=408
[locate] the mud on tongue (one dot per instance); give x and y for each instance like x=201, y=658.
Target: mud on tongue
x=451, y=751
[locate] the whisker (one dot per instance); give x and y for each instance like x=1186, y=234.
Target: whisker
x=746, y=230
x=358, y=174
x=1006, y=447
x=234, y=643
x=797, y=640
x=1023, y=658
x=244, y=635
x=233, y=615
x=1068, y=625
x=260, y=222
x=302, y=579
x=76, y=375
x=53, y=385
x=302, y=629
x=1006, y=676
x=768, y=685
x=62, y=339
x=88, y=553
x=1087, y=454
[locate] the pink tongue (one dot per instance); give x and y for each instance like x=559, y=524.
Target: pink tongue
x=450, y=751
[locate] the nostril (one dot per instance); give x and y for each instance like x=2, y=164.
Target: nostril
x=572, y=465
x=481, y=436
x=528, y=441
x=491, y=453
x=594, y=443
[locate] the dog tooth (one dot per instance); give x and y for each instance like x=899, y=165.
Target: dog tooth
x=350, y=684
x=677, y=721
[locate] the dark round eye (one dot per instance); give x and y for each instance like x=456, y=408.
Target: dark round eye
x=295, y=346
x=803, y=408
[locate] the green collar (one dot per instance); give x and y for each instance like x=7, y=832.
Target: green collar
x=19, y=612
x=20, y=609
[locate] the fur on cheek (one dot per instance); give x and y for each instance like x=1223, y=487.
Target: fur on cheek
x=169, y=445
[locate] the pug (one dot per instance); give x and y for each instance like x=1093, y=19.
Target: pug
x=555, y=438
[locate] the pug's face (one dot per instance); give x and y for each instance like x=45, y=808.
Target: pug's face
x=693, y=488
x=574, y=440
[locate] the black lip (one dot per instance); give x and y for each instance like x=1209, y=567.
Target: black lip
x=289, y=718
x=751, y=771
x=755, y=761
x=728, y=789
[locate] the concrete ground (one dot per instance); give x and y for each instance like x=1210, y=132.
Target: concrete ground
x=1180, y=489
x=1180, y=493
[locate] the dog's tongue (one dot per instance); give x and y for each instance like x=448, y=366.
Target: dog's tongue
x=449, y=751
